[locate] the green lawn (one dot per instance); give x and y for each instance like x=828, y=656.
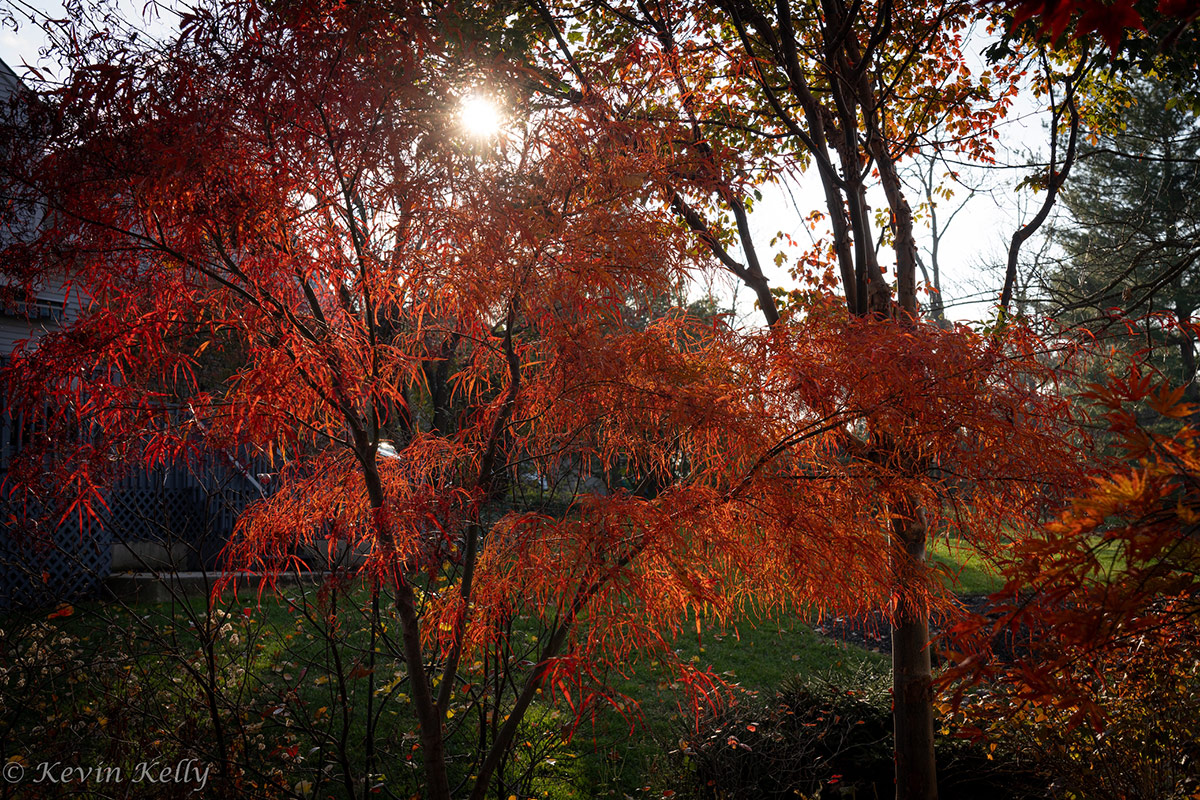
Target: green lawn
x=967, y=572
x=137, y=675
x=964, y=570
x=615, y=757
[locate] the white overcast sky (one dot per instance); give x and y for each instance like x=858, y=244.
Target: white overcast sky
x=971, y=247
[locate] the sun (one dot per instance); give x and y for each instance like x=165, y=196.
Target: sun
x=479, y=116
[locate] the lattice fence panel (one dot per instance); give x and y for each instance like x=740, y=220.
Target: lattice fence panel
x=43, y=563
x=36, y=570
x=191, y=509
x=226, y=488
x=152, y=515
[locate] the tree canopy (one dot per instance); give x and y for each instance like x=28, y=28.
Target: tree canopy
x=425, y=328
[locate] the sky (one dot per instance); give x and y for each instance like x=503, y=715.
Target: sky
x=971, y=248
x=19, y=41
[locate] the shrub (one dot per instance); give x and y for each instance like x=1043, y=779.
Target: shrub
x=831, y=736
x=1142, y=741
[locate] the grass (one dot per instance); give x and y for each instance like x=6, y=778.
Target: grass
x=615, y=756
x=966, y=571
x=963, y=568
x=124, y=674
x=119, y=685
x=130, y=675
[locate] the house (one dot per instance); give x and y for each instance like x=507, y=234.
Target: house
x=162, y=520
x=28, y=312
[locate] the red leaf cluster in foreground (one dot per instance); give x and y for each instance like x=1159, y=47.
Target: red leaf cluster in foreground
x=1111, y=20
x=1107, y=598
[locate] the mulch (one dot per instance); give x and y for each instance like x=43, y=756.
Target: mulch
x=871, y=631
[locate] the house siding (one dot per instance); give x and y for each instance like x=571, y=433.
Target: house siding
x=21, y=324
x=38, y=568
x=192, y=507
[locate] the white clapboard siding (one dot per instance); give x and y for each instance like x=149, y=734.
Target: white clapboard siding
x=10, y=84
x=31, y=317
x=34, y=310
x=194, y=505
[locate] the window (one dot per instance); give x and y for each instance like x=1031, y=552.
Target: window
x=22, y=304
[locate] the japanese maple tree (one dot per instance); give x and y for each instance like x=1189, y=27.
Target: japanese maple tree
x=1123, y=25
x=1101, y=607
x=420, y=319
x=410, y=315
x=745, y=93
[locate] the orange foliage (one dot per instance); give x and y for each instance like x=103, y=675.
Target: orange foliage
x=410, y=320
x=1106, y=596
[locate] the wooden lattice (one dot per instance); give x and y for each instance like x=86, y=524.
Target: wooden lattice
x=37, y=570
x=190, y=508
x=162, y=515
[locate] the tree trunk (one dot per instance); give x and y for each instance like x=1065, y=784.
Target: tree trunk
x=912, y=674
x=429, y=718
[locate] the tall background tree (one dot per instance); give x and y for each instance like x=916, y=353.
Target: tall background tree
x=1130, y=232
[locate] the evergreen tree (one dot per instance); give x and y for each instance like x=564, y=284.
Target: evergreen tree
x=1131, y=236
